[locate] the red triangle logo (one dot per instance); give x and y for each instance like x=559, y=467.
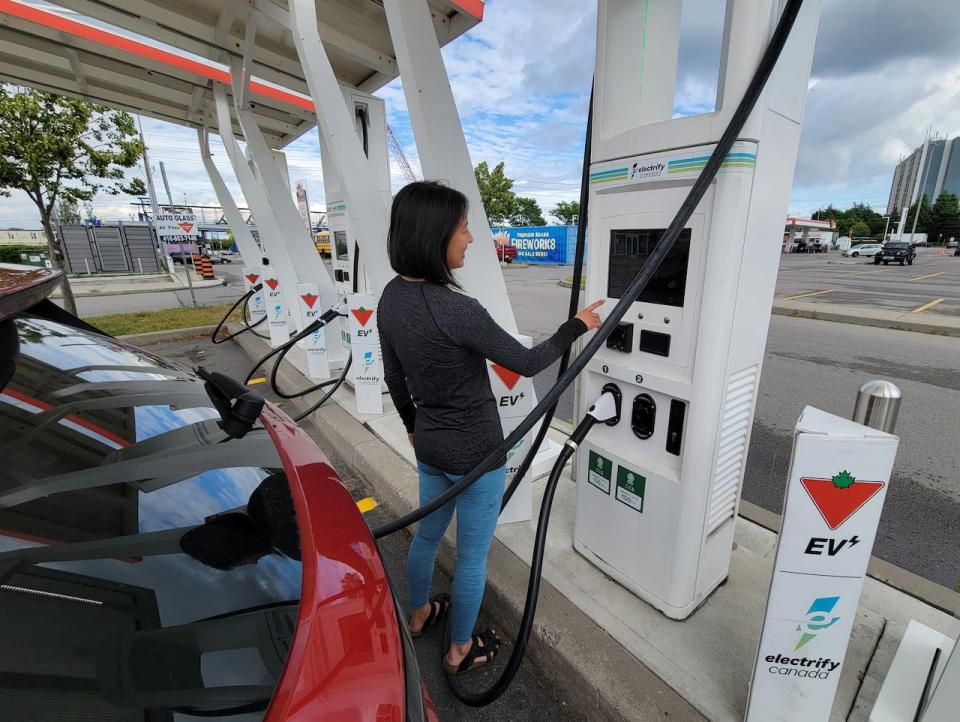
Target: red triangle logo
x=186, y=227
x=309, y=299
x=362, y=314
x=272, y=282
x=836, y=505
x=253, y=277
x=508, y=377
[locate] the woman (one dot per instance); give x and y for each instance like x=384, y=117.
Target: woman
x=436, y=342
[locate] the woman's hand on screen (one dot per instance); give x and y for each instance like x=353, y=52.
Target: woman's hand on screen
x=591, y=319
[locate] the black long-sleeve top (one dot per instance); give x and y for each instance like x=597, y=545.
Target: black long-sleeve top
x=435, y=344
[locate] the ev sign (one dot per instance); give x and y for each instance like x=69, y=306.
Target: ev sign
x=315, y=345
x=838, y=481
x=252, y=277
x=367, y=360
x=275, y=308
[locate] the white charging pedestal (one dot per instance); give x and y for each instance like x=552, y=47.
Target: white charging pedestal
x=657, y=494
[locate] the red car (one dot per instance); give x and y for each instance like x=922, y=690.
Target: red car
x=506, y=253
x=116, y=461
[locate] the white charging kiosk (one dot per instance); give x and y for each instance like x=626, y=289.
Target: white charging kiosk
x=657, y=494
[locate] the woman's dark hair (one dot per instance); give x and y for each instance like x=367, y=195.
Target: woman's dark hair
x=225, y=541
x=423, y=218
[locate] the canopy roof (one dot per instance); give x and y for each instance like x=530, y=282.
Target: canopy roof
x=64, y=54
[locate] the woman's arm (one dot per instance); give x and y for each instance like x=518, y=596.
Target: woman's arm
x=476, y=330
x=397, y=384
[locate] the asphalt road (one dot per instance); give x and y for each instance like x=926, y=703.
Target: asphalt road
x=528, y=699
x=932, y=281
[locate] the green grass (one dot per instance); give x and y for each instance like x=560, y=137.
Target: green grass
x=569, y=280
x=121, y=324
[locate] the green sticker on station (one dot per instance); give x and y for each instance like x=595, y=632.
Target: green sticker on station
x=600, y=472
x=630, y=488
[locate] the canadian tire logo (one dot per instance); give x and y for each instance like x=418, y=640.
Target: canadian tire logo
x=508, y=377
x=840, y=497
x=309, y=299
x=187, y=227
x=362, y=314
x=272, y=283
x=253, y=278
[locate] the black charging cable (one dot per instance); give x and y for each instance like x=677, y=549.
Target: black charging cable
x=214, y=337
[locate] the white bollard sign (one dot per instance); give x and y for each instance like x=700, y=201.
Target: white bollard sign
x=315, y=345
x=837, y=484
x=276, y=309
x=514, y=396
x=367, y=363
x=257, y=303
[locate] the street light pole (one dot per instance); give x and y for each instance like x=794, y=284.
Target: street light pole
x=885, y=226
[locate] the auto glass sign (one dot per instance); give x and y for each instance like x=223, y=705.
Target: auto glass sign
x=177, y=226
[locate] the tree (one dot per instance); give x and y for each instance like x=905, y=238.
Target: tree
x=498, y=199
x=55, y=148
x=858, y=229
x=526, y=212
x=944, y=217
x=568, y=212
x=68, y=212
x=923, y=219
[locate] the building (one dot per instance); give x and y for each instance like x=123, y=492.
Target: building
x=935, y=165
x=22, y=237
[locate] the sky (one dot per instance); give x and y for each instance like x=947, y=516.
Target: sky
x=884, y=73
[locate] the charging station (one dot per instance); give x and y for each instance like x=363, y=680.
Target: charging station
x=657, y=494
x=369, y=116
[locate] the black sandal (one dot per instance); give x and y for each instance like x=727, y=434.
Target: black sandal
x=490, y=645
x=439, y=606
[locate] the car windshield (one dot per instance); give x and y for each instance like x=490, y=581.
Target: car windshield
x=147, y=560
x=896, y=246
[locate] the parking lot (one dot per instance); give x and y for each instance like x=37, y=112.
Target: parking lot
x=930, y=285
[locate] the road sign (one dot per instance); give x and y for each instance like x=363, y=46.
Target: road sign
x=177, y=227
x=838, y=481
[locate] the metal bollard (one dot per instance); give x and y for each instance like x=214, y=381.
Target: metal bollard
x=877, y=406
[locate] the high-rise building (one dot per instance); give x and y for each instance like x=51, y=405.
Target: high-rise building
x=935, y=165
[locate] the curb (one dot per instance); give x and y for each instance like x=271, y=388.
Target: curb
x=171, y=289
x=599, y=678
x=173, y=334
x=918, y=326
x=563, y=282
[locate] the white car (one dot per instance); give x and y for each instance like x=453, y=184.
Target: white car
x=867, y=250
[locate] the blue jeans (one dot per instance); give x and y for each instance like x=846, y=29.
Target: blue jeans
x=477, y=510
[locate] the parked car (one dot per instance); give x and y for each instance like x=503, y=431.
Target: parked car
x=145, y=465
x=867, y=250
x=897, y=251
x=810, y=245
x=506, y=253
x=952, y=243
x=220, y=257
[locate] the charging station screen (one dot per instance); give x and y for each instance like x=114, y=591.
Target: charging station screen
x=340, y=245
x=629, y=251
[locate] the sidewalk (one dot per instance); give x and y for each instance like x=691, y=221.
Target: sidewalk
x=614, y=656
x=119, y=285
x=865, y=316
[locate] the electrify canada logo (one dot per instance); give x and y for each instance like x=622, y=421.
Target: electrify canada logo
x=651, y=170
x=818, y=619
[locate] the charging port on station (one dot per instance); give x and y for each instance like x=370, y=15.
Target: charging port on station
x=618, y=397
x=621, y=338
x=644, y=416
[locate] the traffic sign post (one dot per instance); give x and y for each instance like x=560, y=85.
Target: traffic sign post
x=179, y=228
x=838, y=480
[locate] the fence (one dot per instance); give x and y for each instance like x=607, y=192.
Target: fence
x=110, y=249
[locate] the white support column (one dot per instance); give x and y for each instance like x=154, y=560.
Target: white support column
x=257, y=199
x=241, y=232
x=296, y=238
x=365, y=207
x=442, y=146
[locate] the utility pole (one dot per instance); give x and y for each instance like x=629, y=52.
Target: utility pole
x=146, y=169
x=166, y=185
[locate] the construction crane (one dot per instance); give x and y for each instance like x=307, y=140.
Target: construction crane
x=398, y=156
